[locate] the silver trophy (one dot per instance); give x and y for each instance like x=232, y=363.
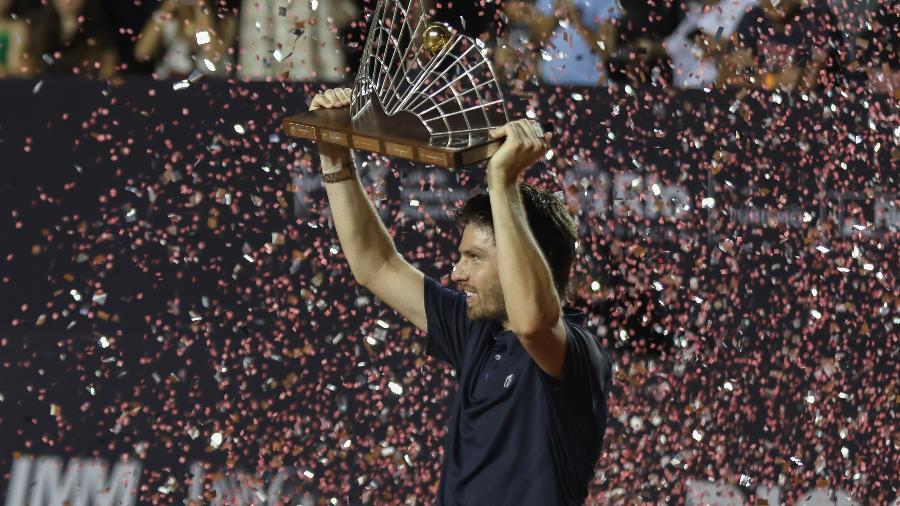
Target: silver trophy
x=423, y=92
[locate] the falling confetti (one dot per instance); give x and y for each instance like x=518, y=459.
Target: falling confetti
x=182, y=294
x=202, y=38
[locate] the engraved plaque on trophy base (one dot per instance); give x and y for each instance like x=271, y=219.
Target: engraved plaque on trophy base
x=334, y=126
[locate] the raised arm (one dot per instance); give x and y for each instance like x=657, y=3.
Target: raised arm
x=532, y=306
x=367, y=245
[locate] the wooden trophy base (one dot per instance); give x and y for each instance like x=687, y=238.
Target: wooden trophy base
x=401, y=135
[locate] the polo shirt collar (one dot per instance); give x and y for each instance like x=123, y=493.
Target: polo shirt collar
x=573, y=315
x=569, y=313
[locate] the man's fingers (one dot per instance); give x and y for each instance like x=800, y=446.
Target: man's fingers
x=541, y=134
x=499, y=132
x=525, y=136
x=332, y=99
x=316, y=102
x=541, y=138
x=344, y=95
x=523, y=132
x=319, y=101
x=536, y=128
x=337, y=97
x=532, y=133
x=514, y=133
x=532, y=130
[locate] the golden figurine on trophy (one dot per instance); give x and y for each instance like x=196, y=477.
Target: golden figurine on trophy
x=424, y=92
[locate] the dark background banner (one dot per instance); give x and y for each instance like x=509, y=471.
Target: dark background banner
x=173, y=292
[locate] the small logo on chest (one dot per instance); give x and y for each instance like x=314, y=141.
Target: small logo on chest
x=508, y=381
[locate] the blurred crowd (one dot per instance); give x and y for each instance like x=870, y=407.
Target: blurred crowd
x=770, y=44
x=787, y=44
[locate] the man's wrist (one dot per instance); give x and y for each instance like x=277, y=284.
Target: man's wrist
x=334, y=164
x=505, y=192
x=499, y=182
x=345, y=172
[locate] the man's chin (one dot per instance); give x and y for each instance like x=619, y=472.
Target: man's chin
x=476, y=315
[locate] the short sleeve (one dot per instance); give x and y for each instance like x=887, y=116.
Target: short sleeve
x=448, y=323
x=587, y=367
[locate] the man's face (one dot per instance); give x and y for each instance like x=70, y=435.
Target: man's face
x=476, y=274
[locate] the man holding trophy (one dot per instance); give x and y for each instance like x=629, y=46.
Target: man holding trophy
x=530, y=412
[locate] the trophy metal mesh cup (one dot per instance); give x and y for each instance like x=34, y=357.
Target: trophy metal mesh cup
x=423, y=92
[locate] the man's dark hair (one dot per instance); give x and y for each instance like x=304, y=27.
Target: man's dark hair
x=550, y=223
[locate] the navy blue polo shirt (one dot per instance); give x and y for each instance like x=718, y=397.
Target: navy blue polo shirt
x=517, y=436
